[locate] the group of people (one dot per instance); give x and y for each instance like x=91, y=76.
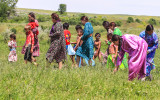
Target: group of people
x=141, y=49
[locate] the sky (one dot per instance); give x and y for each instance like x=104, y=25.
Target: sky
x=131, y=7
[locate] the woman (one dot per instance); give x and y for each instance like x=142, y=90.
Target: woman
x=34, y=27
x=137, y=49
x=86, y=49
x=152, y=41
x=57, y=48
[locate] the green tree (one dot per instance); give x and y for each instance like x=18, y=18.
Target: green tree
x=7, y=7
x=130, y=20
x=62, y=8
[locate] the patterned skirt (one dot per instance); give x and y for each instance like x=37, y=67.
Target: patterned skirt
x=57, y=50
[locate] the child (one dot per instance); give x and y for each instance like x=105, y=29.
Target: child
x=29, y=45
x=108, y=42
x=69, y=47
x=114, y=29
x=97, y=45
x=12, y=44
x=78, y=42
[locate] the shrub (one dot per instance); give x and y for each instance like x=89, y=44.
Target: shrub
x=118, y=23
x=138, y=21
x=152, y=21
x=130, y=20
x=6, y=35
x=13, y=30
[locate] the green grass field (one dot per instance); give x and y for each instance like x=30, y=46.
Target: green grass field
x=21, y=81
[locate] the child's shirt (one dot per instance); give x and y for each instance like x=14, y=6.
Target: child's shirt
x=30, y=39
x=67, y=35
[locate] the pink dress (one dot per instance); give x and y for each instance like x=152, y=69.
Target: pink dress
x=12, y=55
x=137, y=49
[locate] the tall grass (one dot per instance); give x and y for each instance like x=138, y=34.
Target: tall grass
x=20, y=81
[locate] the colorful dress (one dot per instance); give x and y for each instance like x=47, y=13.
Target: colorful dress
x=86, y=49
x=152, y=41
x=12, y=55
x=57, y=48
x=34, y=28
x=137, y=49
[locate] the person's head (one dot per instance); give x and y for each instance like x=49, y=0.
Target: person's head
x=97, y=36
x=116, y=39
x=78, y=27
x=109, y=36
x=79, y=30
x=84, y=19
x=55, y=17
x=12, y=37
x=31, y=17
x=149, y=29
x=27, y=28
x=112, y=25
x=65, y=26
x=106, y=25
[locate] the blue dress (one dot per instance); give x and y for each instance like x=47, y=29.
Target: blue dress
x=86, y=49
x=152, y=41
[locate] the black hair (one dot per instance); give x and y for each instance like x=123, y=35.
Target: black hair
x=65, y=26
x=32, y=15
x=116, y=38
x=78, y=27
x=149, y=27
x=85, y=18
x=106, y=25
x=97, y=34
x=13, y=36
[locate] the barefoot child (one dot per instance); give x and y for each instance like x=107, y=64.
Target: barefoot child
x=69, y=47
x=78, y=43
x=12, y=45
x=29, y=45
x=97, y=45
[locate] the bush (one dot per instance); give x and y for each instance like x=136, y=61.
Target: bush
x=152, y=21
x=138, y=21
x=13, y=30
x=6, y=35
x=118, y=23
x=130, y=20
x=42, y=18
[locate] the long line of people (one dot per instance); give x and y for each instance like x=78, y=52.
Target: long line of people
x=141, y=49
